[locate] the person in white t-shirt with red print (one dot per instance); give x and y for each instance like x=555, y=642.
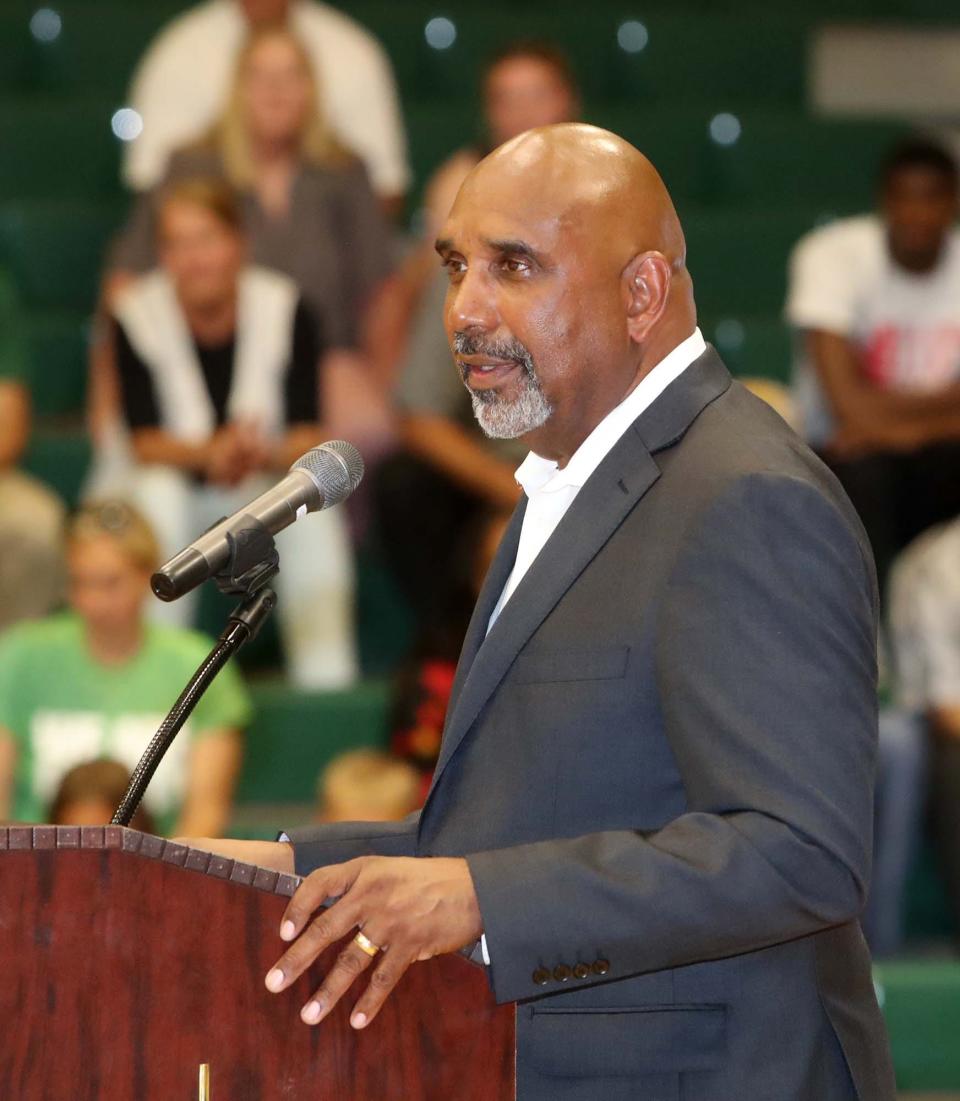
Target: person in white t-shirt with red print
x=875, y=301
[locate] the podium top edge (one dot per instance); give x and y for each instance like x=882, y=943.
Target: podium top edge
x=149, y=847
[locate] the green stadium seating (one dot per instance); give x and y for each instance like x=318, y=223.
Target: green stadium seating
x=57, y=362
x=54, y=249
x=921, y=1004
x=295, y=734
x=752, y=346
x=53, y=149
x=784, y=158
x=739, y=262
x=13, y=346
x=60, y=458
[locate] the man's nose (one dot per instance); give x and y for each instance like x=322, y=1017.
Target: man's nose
x=472, y=305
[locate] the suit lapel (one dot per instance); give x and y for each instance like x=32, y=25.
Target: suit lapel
x=611, y=492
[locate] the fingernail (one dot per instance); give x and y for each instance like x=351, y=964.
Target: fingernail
x=275, y=979
x=358, y=1020
x=311, y=1013
x=287, y=930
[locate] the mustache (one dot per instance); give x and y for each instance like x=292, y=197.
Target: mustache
x=465, y=344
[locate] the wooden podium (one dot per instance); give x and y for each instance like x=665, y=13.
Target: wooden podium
x=127, y=962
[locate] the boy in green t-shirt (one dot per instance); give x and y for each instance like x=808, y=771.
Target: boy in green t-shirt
x=96, y=681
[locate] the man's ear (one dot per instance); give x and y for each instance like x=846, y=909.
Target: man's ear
x=646, y=284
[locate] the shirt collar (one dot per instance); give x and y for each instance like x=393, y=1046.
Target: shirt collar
x=537, y=474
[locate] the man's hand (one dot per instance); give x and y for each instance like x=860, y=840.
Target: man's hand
x=412, y=908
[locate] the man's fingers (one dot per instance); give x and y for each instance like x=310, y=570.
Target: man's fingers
x=313, y=892
x=328, y=926
x=386, y=974
x=351, y=963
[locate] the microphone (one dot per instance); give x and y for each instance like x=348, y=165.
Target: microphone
x=324, y=476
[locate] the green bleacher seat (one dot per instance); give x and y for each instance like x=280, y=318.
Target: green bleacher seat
x=738, y=259
x=61, y=459
x=13, y=344
x=921, y=1004
x=57, y=360
x=98, y=45
x=55, y=248
x=53, y=149
x=295, y=734
x=752, y=346
x=781, y=158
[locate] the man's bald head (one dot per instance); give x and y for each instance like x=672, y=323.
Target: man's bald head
x=567, y=262
x=589, y=177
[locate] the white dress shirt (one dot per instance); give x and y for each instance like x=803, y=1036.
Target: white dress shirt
x=551, y=491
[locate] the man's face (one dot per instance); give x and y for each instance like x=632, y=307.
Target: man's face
x=534, y=315
x=919, y=206
x=201, y=254
x=522, y=93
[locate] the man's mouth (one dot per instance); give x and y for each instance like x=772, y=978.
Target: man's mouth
x=483, y=372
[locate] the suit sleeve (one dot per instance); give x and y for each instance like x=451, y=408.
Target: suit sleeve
x=337, y=842
x=765, y=668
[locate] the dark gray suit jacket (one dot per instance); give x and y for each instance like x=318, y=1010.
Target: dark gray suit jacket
x=660, y=765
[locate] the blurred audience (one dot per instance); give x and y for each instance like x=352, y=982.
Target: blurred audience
x=424, y=683
x=307, y=210
x=925, y=637
x=31, y=517
x=449, y=471
x=367, y=785
x=218, y=366
x=90, y=793
x=876, y=302
x=98, y=679
x=182, y=82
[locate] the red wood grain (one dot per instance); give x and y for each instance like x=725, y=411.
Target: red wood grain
x=121, y=972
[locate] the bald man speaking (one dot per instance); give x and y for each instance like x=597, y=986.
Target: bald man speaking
x=654, y=797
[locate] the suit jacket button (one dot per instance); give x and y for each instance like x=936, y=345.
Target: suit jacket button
x=541, y=976
x=581, y=971
x=600, y=967
x=561, y=972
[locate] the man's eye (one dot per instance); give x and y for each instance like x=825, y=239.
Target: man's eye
x=454, y=267
x=515, y=266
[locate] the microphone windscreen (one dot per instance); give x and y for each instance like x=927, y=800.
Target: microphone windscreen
x=336, y=467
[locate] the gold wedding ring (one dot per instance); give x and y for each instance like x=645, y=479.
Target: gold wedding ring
x=365, y=944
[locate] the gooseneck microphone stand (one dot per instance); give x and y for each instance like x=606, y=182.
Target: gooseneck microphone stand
x=253, y=564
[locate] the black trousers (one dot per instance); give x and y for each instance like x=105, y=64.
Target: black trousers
x=900, y=494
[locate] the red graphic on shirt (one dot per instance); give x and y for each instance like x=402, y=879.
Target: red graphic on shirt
x=923, y=358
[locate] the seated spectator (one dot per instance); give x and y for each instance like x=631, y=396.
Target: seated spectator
x=925, y=639
x=218, y=365
x=524, y=85
x=307, y=207
x=31, y=517
x=90, y=793
x=450, y=471
x=876, y=302
x=182, y=81
x=366, y=785
x=98, y=680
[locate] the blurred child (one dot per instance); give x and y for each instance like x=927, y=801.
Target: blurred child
x=90, y=793
x=98, y=679
x=367, y=785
